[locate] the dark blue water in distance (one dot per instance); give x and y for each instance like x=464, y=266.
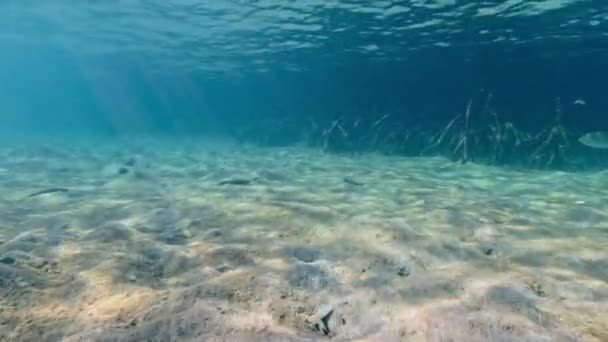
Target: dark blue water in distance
x=303, y=170
x=188, y=67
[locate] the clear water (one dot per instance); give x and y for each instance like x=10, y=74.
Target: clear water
x=300, y=170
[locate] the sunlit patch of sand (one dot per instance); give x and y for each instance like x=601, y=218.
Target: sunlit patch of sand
x=424, y=250
x=67, y=251
x=106, y=299
x=110, y=308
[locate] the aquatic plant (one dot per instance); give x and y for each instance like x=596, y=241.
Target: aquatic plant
x=480, y=135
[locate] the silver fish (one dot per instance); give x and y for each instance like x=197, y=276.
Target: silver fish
x=595, y=139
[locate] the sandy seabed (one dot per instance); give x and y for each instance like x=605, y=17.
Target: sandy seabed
x=208, y=240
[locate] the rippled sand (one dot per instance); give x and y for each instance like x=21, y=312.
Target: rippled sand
x=167, y=240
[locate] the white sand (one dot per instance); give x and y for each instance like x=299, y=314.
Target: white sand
x=425, y=250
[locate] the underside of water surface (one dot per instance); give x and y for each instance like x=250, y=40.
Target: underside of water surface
x=344, y=170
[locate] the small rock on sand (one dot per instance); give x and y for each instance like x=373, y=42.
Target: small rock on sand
x=130, y=162
x=304, y=254
x=110, y=232
x=213, y=233
x=311, y=277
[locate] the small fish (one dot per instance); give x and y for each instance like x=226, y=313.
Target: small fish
x=351, y=181
x=236, y=181
x=579, y=102
x=46, y=191
x=595, y=140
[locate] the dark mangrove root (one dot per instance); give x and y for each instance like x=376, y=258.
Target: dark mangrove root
x=436, y=141
x=553, y=142
x=465, y=134
x=488, y=137
x=336, y=125
x=463, y=140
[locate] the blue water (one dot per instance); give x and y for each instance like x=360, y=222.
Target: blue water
x=298, y=170
x=189, y=66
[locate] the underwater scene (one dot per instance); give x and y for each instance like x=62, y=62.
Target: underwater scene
x=310, y=170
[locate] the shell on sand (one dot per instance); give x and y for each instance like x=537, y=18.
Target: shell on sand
x=595, y=139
